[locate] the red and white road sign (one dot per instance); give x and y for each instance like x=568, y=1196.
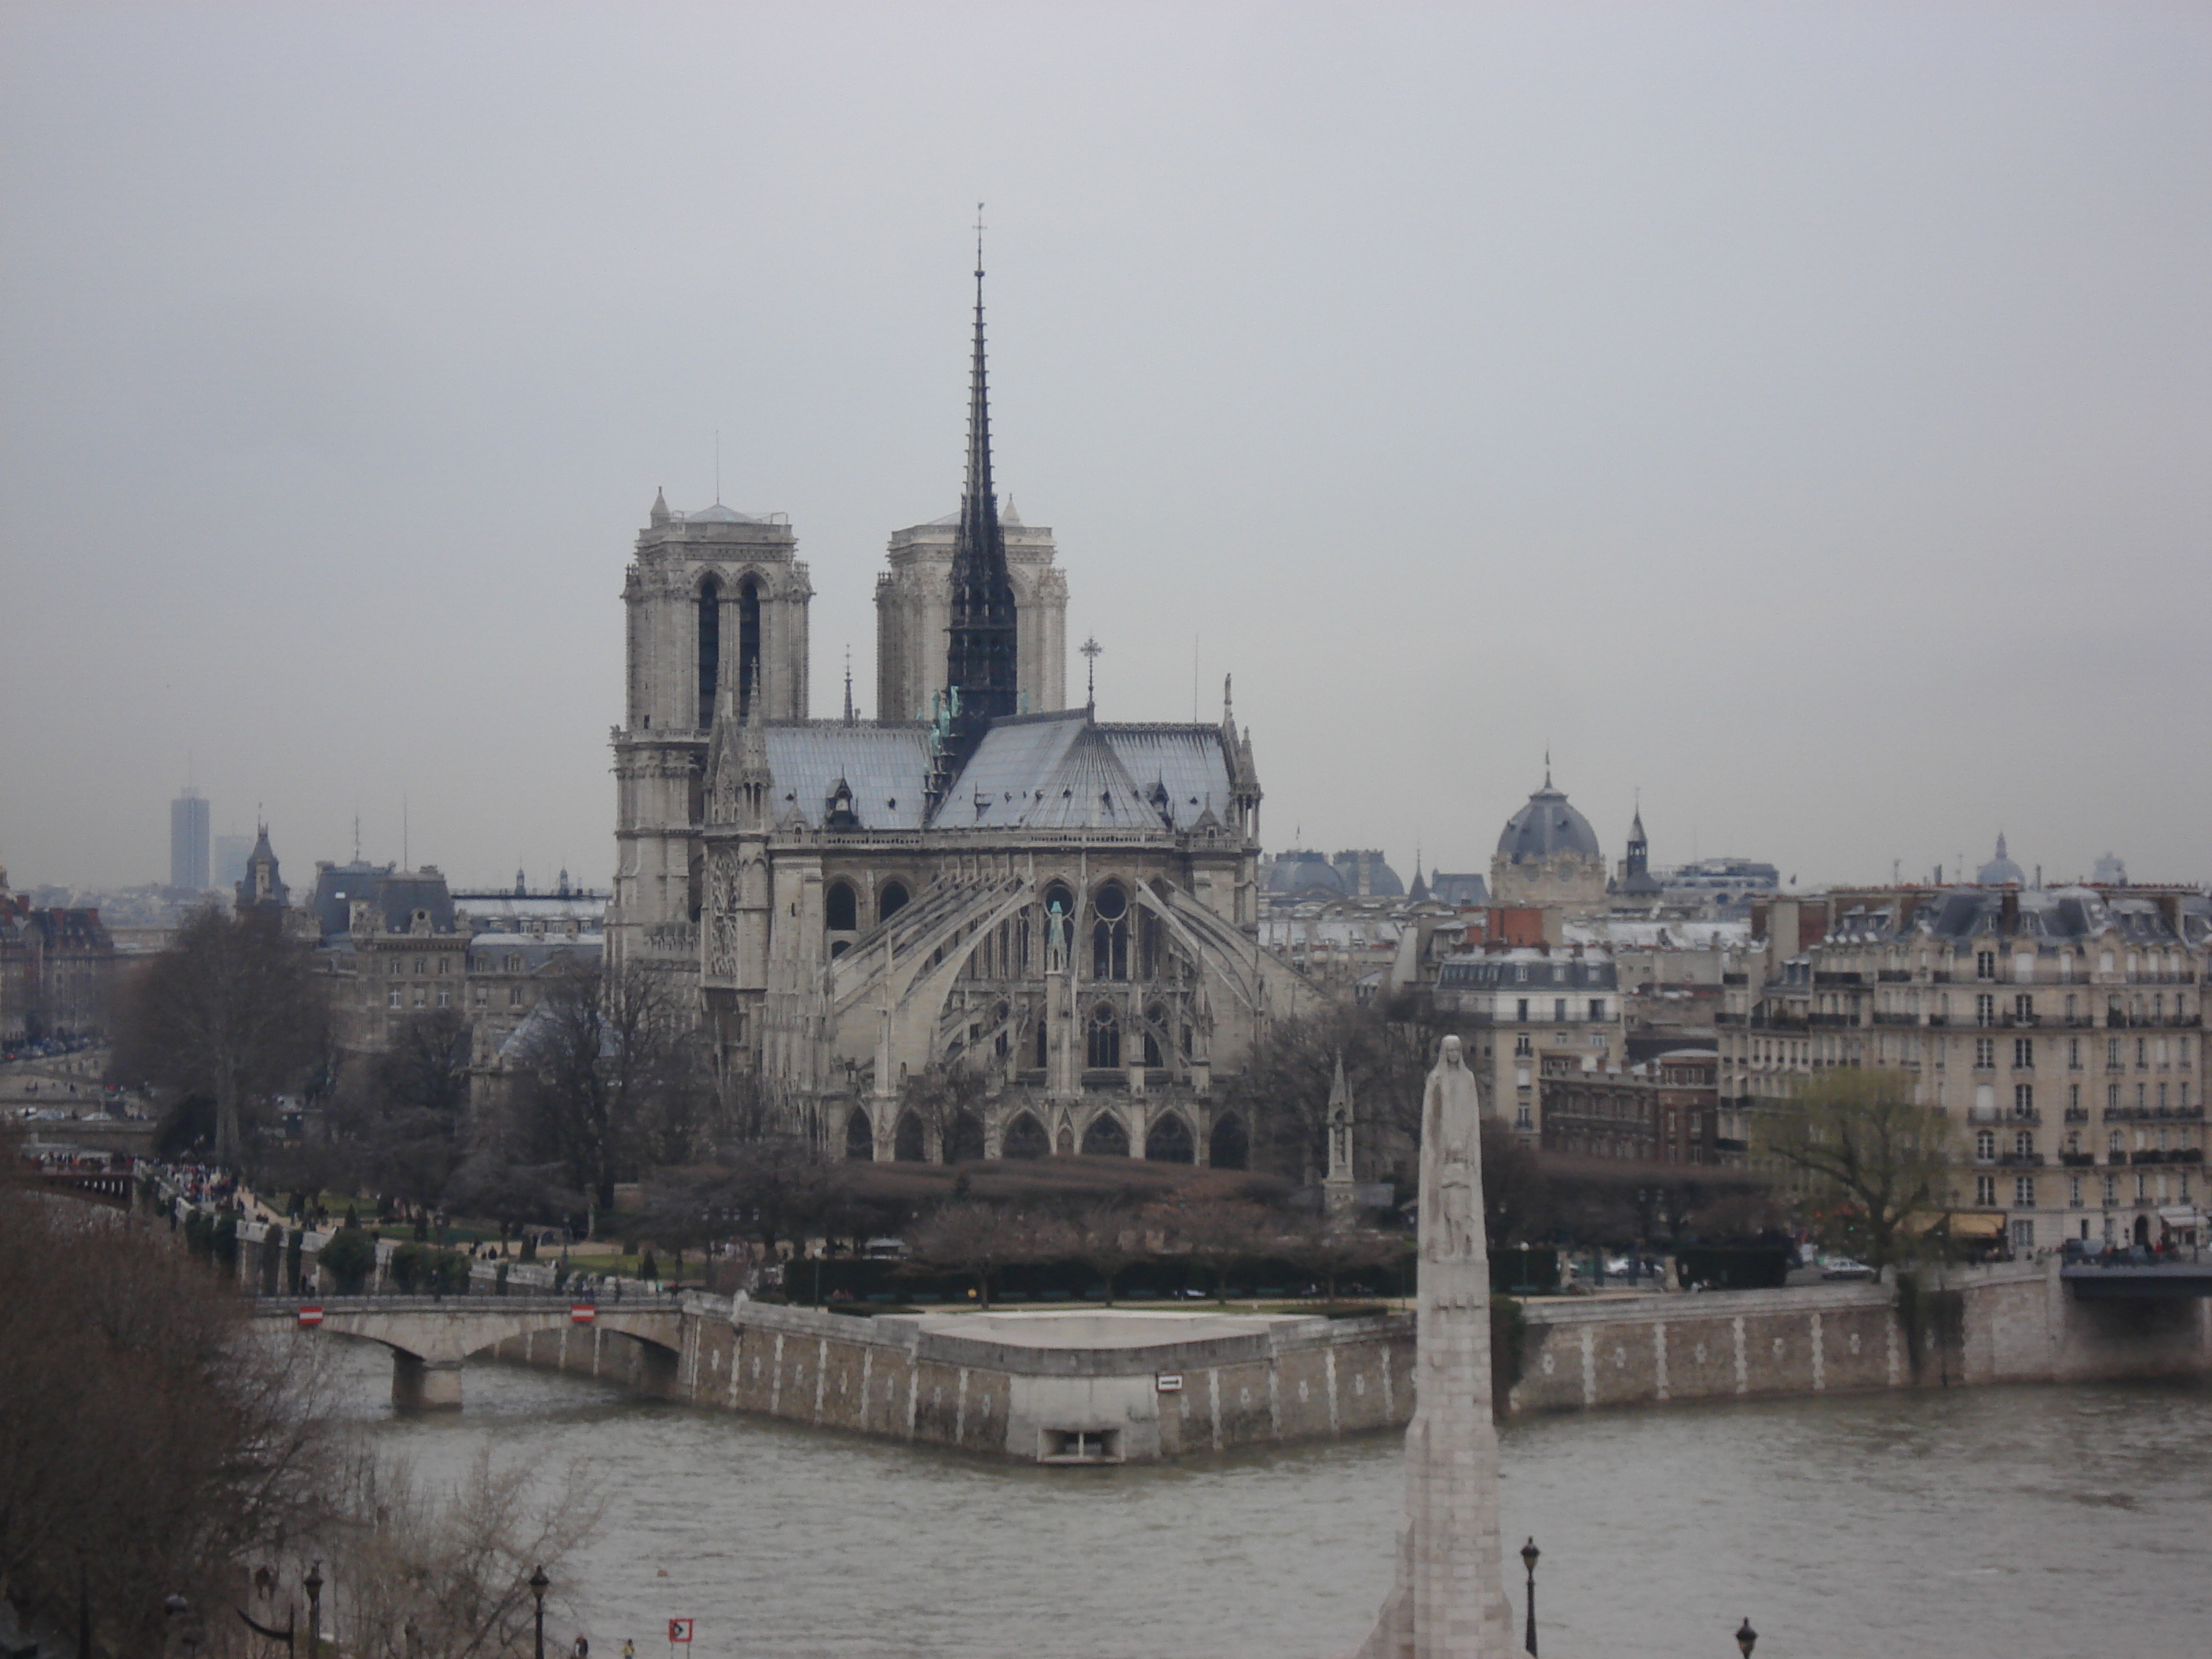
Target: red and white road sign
x=679, y=1630
x=582, y=1313
x=310, y=1317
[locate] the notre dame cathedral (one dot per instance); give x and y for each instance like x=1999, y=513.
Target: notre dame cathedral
x=997, y=926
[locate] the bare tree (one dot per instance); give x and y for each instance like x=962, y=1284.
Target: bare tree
x=405, y=1114
x=616, y=1079
x=1216, y=1235
x=422, y=1572
x=1283, y=1090
x=1869, y=1159
x=232, y=1011
x=982, y=1241
x=1331, y=1249
x=148, y=1444
x=1108, y=1239
x=946, y=1098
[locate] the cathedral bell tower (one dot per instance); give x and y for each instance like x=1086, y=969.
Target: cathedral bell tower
x=715, y=606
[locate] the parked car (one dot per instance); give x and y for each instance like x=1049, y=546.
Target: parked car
x=1842, y=1266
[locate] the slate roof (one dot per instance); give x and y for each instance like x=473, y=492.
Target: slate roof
x=1548, y=824
x=885, y=763
x=397, y=894
x=1063, y=771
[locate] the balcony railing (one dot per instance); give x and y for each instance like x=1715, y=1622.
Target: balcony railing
x=2020, y=1160
x=2077, y=1160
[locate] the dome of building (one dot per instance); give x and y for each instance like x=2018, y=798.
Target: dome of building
x=2000, y=872
x=1546, y=826
x=1300, y=872
x=2110, y=872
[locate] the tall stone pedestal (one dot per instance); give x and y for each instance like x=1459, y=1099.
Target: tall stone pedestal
x=1449, y=1601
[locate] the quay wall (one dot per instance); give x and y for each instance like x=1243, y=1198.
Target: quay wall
x=1315, y=1379
x=1299, y=1381
x=2014, y=1323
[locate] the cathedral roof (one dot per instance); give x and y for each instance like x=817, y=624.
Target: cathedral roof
x=717, y=514
x=886, y=766
x=1063, y=771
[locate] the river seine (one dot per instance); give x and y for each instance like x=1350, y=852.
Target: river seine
x=2025, y=1523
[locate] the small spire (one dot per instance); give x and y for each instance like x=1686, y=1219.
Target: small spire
x=658, y=516
x=1548, y=766
x=848, y=685
x=1090, y=648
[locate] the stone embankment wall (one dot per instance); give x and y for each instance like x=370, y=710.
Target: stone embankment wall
x=1305, y=1380
x=2010, y=1323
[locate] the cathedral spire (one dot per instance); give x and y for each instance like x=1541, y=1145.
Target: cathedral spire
x=981, y=665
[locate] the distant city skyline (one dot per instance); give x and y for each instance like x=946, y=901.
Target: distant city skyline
x=1796, y=417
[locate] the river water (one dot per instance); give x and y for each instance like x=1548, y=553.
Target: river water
x=2029, y=1523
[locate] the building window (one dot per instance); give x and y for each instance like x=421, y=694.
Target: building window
x=1985, y=964
x=418, y=967
x=1985, y=1191
x=1597, y=1007
x=2112, y=1061
x=2023, y=1191
x=1559, y=1010
x=2112, y=1190
x=445, y=964
x=1521, y=1010
x=391, y=999
x=1985, y=1054
x=2023, y=1099
x=481, y=996
x=2073, y=1054
x=2023, y=1008
x=445, y=998
x=1985, y=1146
x=1522, y=1045
x=1986, y=1011
x=2023, y=1235
x=1105, y=1046
x=2023, y=1053
x=2073, y=1192
x=418, y=996
x=514, y=996
x=2023, y=1144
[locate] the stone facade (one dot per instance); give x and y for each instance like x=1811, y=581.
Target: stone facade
x=913, y=612
x=981, y=932
x=1527, y=1004
x=1664, y=1110
x=2061, y=1030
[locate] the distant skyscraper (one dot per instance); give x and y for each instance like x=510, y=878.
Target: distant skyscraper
x=231, y=853
x=188, y=842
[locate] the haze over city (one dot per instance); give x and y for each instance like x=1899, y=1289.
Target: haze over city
x=1797, y=416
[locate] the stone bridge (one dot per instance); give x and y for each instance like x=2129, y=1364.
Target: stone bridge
x=430, y=1337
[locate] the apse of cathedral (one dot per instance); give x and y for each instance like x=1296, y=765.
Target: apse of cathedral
x=998, y=928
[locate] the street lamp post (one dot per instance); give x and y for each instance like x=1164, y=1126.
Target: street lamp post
x=1746, y=1639
x=1529, y=1554
x=538, y=1585
x=313, y=1583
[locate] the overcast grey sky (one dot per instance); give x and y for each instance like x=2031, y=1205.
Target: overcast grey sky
x=1800, y=414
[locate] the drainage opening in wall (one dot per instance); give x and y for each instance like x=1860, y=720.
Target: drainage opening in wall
x=1079, y=1445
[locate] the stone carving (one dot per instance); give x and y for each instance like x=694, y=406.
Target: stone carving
x=721, y=920
x=1449, y=1601
x=1055, y=950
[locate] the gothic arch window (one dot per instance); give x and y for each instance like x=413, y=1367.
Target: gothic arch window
x=710, y=648
x=841, y=908
x=1156, y=1021
x=860, y=1138
x=1102, y=1050
x=1229, y=1147
x=1025, y=1138
x=1002, y=1043
x=1105, y=1138
x=1169, y=1141
x=694, y=877
x=1042, y=1037
x=1109, y=935
x=891, y=901
x=748, y=640
x=963, y=1139
x=908, y=1144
